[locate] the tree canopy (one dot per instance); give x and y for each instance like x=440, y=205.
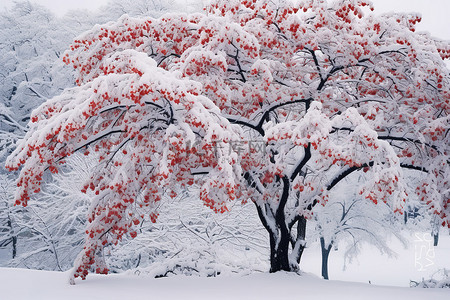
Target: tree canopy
x=275, y=102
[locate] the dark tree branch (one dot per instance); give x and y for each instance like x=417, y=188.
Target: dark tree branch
x=389, y=137
x=238, y=64
x=90, y=142
x=167, y=56
x=316, y=62
x=302, y=163
x=276, y=106
x=251, y=182
x=265, y=115
x=347, y=172
x=262, y=217
x=404, y=139
x=412, y=167
x=280, y=215
x=246, y=124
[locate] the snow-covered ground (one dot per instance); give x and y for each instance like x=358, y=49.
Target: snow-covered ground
x=19, y=284
x=348, y=284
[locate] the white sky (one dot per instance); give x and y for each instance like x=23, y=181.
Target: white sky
x=435, y=17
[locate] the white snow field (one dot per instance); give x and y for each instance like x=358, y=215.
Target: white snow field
x=389, y=279
x=17, y=284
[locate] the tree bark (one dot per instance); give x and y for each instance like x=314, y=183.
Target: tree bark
x=279, y=258
x=279, y=234
x=325, y=255
x=301, y=234
x=279, y=253
x=14, y=247
x=435, y=230
x=436, y=239
x=13, y=239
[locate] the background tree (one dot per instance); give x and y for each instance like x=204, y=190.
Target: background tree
x=8, y=228
x=114, y=9
x=348, y=221
x=51, y=228
x=29, y=45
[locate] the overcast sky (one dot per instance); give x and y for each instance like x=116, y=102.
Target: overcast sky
x=435, y=13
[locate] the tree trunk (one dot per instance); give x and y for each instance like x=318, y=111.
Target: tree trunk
x=13, y=239
x=279, y=234
x=435, y=230
x=436, y=239
x=301, y=233
x=325, y=254
x=279, y=252
x=14, y=247
x=298, y=245
x=278, y=240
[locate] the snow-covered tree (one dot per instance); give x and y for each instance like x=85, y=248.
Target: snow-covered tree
x=114, y=9
x=190, y=239
x=283, y=101
x=348, y=221
x=50, y=230
x=29, y=45
x=440, y=279
x=8, y=229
